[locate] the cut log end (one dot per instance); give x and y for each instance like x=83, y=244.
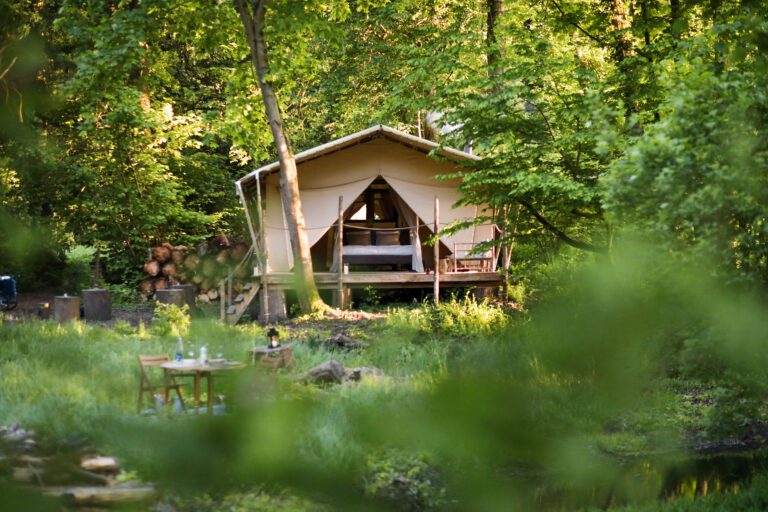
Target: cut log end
x=152, y=268
x=162, y=253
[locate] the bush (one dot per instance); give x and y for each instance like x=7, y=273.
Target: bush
x=171, y=319
x=407, y=480
x=122, y=293
x=457, y=317
x=77, y=273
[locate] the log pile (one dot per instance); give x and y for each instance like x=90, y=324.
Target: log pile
x=204, y=266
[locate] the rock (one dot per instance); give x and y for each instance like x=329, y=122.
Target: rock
x=352, y=375
x=104, y=496
x=325, y=373
x=100, y=464
x=25, y=474
x=17, y=435
x=32, y=460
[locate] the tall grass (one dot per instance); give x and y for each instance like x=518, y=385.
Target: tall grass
x=457, y=317
x=64, y=380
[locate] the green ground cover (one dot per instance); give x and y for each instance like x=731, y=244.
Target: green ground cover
x=480, y=407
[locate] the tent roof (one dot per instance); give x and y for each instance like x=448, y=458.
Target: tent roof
x=417, y=143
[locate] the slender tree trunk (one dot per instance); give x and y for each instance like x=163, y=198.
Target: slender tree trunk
x=674, y=15
x=252, y=15
x=621, y=22
x=494, y=9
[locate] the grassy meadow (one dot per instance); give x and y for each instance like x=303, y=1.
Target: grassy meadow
x=601, y=397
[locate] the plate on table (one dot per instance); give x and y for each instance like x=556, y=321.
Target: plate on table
x=217, y=362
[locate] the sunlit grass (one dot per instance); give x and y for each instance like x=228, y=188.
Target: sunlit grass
x=505, y=408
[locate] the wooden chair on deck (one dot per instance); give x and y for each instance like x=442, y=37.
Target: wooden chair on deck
x=148, y=388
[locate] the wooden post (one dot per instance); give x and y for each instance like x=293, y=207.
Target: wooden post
x=66, y=308
x=97, y=305
x=229, y=288
x=504, y=258
x=436, y=290
x=175, y=296
x=222, y=302
x=340, y=248
x=188, y=290
x=263, y=259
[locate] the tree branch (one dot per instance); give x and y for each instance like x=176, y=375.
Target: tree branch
x=573, y=22
x=5, y=72
x=559, y=233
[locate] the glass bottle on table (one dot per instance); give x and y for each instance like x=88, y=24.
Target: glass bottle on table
x=179, y=350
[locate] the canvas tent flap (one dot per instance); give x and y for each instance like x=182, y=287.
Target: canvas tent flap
x=411, y=219
x=421, y=198
x=279, y=255
x=321, y=210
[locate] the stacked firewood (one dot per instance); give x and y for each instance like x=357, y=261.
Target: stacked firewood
x=204, y=266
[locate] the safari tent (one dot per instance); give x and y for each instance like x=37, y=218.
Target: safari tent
x=385, y=184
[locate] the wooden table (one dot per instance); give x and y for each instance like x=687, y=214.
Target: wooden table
x=199, y=371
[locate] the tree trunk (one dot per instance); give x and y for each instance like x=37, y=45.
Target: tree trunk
x=252, y=15
x=494, y=8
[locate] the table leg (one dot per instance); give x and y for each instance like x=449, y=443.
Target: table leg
x=210, y=392
x=197, y=393
x=166, y=387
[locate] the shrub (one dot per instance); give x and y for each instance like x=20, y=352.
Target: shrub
x=122, y=293
x=457, y=317
x=171, y=319
x=407, y=480
x=77, y=273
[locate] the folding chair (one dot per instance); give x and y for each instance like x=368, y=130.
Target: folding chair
x=148, y=388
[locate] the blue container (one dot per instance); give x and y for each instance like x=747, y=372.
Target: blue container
x=7, y=292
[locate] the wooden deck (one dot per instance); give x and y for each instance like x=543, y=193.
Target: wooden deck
x=329, y=280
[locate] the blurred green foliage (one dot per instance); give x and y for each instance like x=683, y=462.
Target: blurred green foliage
x=77, y=272
x=124, y=124
x=171, y=320
x=561, y=408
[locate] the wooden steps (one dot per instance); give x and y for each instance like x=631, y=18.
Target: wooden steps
x=241, y=302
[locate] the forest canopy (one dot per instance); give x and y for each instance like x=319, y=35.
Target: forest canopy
x=124, y=123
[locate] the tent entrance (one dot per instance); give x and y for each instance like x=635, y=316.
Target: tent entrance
x=381, y=232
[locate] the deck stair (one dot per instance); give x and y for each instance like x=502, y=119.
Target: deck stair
x=241, y=302
x=233, y=308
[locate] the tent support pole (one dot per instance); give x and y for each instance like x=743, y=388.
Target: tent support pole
x=436, y=290
x=339, y=247
x=263, y=258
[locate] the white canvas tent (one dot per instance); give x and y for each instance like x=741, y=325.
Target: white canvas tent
x=346, y=167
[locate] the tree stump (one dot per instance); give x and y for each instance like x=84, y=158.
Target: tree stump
x=171, y=296
x=189, y=293
x=97, y=304
x=66, y=308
